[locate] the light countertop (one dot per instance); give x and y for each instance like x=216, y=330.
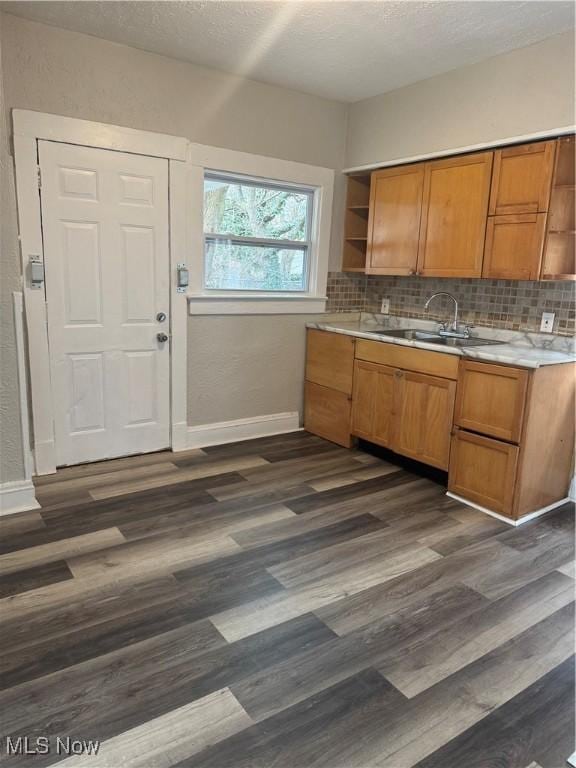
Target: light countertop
x=522, y=349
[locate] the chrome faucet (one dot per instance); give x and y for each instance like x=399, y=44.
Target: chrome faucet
x=449, y=329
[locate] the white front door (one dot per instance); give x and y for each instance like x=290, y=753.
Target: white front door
x=106, y=254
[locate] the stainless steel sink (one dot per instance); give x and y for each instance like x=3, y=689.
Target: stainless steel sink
x=414, y=334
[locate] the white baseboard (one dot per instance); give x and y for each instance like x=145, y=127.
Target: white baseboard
x=509, y=520
x=242, y=429
x=17, y=496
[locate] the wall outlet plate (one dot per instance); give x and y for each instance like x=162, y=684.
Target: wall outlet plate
x=547, y=322
x=385, y=307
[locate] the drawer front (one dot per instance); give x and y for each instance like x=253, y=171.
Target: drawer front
x=330, y=360
x=491, y=399
x=408, y=358
x=327, y=413
x=483, y=470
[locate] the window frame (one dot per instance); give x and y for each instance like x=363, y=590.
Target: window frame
x=279, y=243
x=205, y=160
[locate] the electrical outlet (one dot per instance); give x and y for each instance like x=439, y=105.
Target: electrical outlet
x=547, y=322
x=385, y=307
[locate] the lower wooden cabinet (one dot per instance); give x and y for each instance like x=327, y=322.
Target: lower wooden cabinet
x=423, y=417
x=410, y=413
x=327, y=413
x=491, y=399
x=373, y=402
x=483, y=470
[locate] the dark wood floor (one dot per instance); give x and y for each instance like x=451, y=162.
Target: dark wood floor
x=283, y=602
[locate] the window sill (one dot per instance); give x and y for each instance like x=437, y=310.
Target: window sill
x=202, y=304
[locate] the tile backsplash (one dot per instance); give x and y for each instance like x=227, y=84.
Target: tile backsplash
x=511, y=304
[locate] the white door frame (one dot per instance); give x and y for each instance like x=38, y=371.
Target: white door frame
x=30, y=127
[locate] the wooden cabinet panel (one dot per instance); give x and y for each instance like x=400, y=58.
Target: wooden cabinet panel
x=521, y=179
x=514, y=244
x=373, y=402
x=491, y=399
x=454, y=210
x=483, y=470
x=424, y=406
x=397, y=356
x=327, y=413
x=330, y=360
x=559, y=261
x=394, y=220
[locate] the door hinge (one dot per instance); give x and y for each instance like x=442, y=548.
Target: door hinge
x=39, y=174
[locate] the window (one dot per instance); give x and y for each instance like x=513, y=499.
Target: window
x=257, y=235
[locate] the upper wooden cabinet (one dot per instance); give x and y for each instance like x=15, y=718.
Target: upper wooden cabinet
x=454, y=209
x=521, y=178
x=394, y=221
x=513, y=249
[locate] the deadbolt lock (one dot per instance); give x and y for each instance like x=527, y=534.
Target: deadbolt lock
x=161, y=317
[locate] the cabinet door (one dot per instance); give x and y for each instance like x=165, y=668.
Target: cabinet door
x=491, y=399
x=394, y=220
x=483, y=470
x=327, y=413
x=454, y=210
x=423, y=409
x=330, y=360
x=514, y=246
x=521, y=179
x=373, y=402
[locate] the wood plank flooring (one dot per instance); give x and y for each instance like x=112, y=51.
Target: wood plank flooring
x=282, y=603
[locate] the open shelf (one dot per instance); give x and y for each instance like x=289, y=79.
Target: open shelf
x=559, y=262
x=356, y=223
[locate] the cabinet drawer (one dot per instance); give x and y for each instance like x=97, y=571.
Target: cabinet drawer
x=327, y=413
x=330, y=360
x=408, y=358
x=491, y=399
x=483, y=470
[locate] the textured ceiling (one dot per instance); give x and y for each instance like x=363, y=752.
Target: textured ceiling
x=345, y=50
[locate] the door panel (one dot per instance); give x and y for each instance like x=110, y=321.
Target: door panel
x=454, y=210
x=423, y=417
x=373, y=402
x=394, y=221
x=105, y=229
x=483, y=470
x=514, y=246
x=521, y=179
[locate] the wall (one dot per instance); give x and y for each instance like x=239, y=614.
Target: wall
x=527, y=90
x=11, y=462
x=514, y=305
x=48, y=69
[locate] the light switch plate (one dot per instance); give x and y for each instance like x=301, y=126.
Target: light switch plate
x=385, y=307
x=547, y=322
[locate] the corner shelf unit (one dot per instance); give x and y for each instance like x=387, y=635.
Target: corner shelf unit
x=560, y=252
x=356, y=223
